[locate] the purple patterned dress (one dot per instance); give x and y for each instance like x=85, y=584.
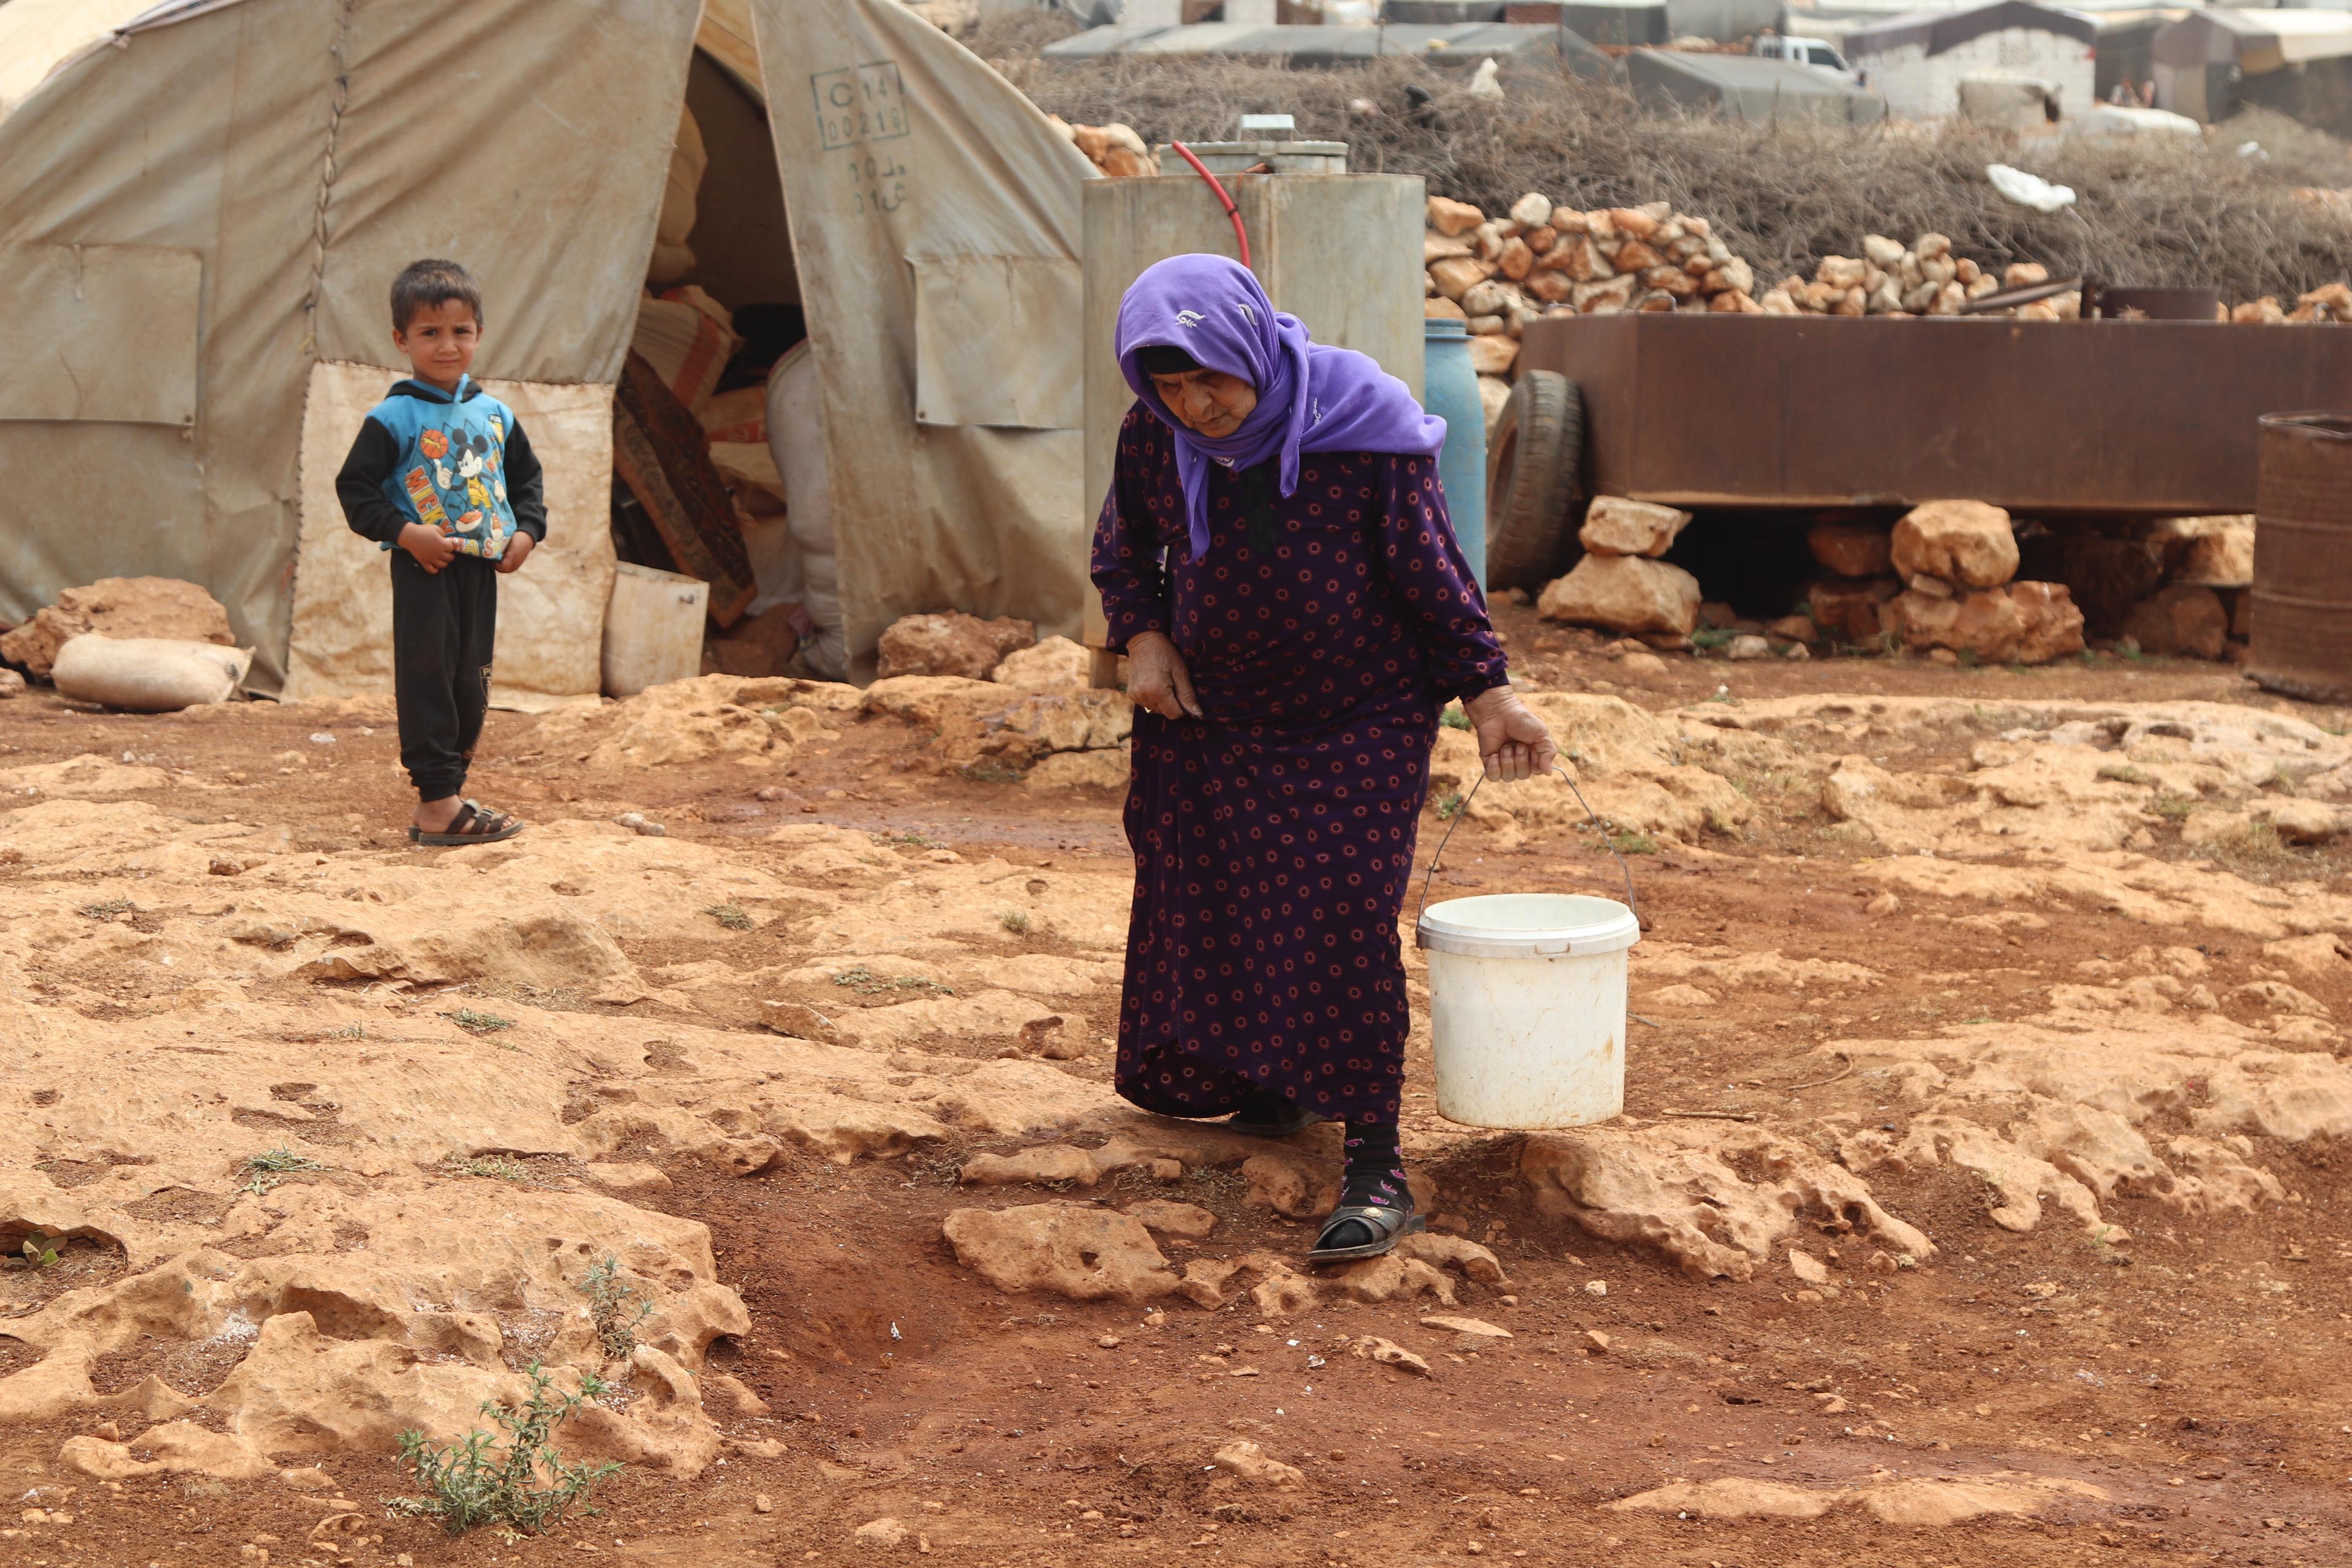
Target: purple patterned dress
x=1273, y=839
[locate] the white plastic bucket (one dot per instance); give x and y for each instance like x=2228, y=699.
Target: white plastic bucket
x=1527, y=1007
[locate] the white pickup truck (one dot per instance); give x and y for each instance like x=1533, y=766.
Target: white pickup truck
x=1811, y=53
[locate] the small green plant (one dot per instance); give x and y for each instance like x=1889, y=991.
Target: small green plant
x=616, y=1308
x=2130, y=650
x=1450, y=805
x=910, y=840
x=107, y=909
x=40, y=1251
x=1712, y=637
x=475, y=1022
x=349, y=1032
x=866, y=982
x=522, y=1484
x=270, y=1168
x=1015, y=920
x=988, y=770
x=1723, y=694
x=2123, y=773
x=2173, y=807
x=1454, y=718
x=1633, y=844
x=2256, y=845
x=497, y=1167
x=1969, y=661
x=734, y=917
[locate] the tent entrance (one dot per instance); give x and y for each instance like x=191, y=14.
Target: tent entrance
x=698, y=483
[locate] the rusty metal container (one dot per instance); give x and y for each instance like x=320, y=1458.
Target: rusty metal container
x=2303, y=558
x=2047, y=418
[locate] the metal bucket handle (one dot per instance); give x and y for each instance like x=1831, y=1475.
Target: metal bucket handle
x=1592, y=818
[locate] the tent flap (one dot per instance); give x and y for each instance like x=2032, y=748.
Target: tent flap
x=100, y=333
x=1020, y=378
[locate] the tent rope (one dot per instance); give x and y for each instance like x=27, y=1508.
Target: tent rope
x=327, y=177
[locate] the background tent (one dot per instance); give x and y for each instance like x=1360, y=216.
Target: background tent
x=1917, y=61
x=2215, y=61
x=200, y=220
x=1747, y=87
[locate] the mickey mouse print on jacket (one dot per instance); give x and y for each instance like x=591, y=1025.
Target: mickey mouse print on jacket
x=457, y=462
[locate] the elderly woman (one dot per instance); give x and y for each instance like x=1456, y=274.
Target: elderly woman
x=1275, y=560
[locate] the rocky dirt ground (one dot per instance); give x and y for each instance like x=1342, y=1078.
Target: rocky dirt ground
x=1979, y=1199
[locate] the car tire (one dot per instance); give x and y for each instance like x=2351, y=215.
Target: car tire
x=1535, y=461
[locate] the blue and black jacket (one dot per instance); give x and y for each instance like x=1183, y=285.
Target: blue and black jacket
x=457, y=462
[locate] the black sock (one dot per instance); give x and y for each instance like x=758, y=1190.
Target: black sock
x=1262, y=1105
x=1375, y=1169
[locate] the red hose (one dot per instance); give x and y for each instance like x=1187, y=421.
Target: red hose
x=1241, y=235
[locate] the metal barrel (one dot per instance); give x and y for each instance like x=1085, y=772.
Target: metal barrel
x=2301, y=643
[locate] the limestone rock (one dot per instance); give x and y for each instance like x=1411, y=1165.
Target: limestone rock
x=1851, y=612
x=950, y=644
x=1678, y=1186
x=11, y=685
x=118, y=607
x=1048, y=1162
x=798, y=1020
x=1852, y=548
x=1966, y=542
x=1493, y=354
x=1457, y=275
x=1188, y=1221
x=1289, y=1186
x=1747, y=646
x=1070, y=1249
x=1056, y=664
x=1392, y=1279
x=2183, y=620
x=1613, y=526
x=1451, y=217
x=1388, y=1352
x=885, y=1532
x=2218, y=554
x=1532, y=210
x=1253, y=1464
x=2302, y=821
x=1475, y=1262
x=2026, y=622
x=1626, y=594
x=1476, y=1328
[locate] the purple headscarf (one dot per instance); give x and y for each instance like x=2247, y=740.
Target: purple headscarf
x=1311, y=397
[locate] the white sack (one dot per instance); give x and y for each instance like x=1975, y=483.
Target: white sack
x=796, y=440
x=147, y=675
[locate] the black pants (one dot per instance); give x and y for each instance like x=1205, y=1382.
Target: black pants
x=443, y=624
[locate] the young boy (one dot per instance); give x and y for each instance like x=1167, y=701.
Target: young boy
x=443, y=478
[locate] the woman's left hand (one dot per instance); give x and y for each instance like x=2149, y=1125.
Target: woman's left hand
x=1512, y=741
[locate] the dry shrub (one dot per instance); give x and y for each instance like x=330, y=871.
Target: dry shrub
x=2153, y=210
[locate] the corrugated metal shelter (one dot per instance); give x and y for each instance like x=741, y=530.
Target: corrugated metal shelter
x=1747, y=87
x=2217, y=60
x=1917, y=61
x=200, y=215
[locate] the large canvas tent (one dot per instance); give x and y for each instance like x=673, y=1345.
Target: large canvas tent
x=201, y=214
x=2216, y=61
x=1919, y=61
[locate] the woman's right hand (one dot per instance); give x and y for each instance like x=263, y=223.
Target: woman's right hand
x=1157, y=678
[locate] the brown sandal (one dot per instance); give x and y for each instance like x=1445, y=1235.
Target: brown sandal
x=474, y=824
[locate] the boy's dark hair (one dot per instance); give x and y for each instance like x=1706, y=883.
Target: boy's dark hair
x=424, y=284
